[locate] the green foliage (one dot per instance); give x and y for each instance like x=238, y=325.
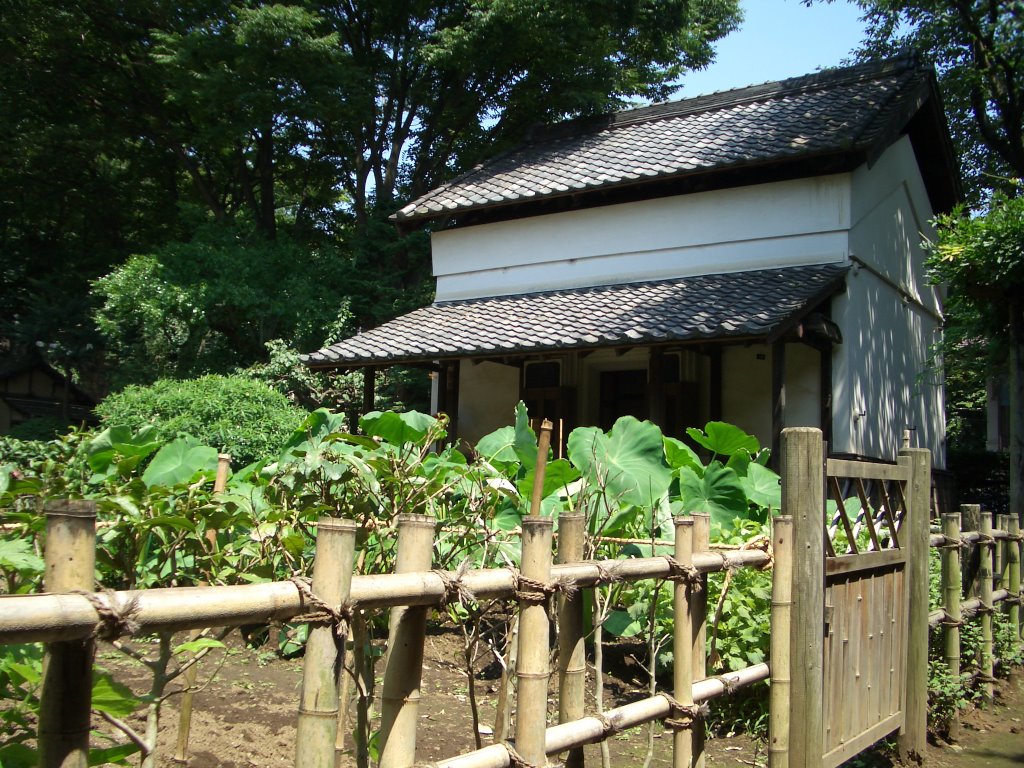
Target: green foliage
x=39, y=428
x=234, y=414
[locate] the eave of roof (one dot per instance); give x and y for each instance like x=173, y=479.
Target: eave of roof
x=831, y=120
x=737, y=305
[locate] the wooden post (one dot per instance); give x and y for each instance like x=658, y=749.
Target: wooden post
x=952, y=587
x=540, y=467
x=803, y=490
x=403, y=667
x=781, y=627
x=985, y=577
x=912, y=739
x=970, y=520
x=318, y=701
x=369, y=389
x=533, y=672
x=699, y=614
x=65, y=699
x=572, y=661
x=1013, y=557
x=220, y=484
x=682, y=646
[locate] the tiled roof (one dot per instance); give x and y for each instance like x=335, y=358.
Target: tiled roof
x=837, y=111
x=740, y=304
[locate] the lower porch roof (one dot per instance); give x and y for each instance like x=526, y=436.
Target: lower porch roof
x=754, y=304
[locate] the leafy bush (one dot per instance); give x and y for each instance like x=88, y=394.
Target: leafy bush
x=39, y=428
x=232, y=413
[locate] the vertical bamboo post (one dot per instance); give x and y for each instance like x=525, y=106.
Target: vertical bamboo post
x=403, y=667
x=1013, y=528
x=65, y=700
x=952, y=579
x=913, y=735
x=540, y=467
x=699, y=614
x=572, y=661
x=781, y=627
x=220, y=484
x=532, y=674
x=985, y=587
x=682, y=645
x=803, y=489
x=318, y=701
x=998, y=554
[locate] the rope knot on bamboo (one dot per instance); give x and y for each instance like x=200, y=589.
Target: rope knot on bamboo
x=684, y=574
x=340, y=617
x=516, y=760
x=115, y=620
x=952, y=542
x=608, y=727
x=533, y=592
x=683, y=716
x=455, y=591
x=729, y=685
x=606, y=574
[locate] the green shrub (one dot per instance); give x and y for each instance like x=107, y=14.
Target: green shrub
x=39, y=428
x=232, y=413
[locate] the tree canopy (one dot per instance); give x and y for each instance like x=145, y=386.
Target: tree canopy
x=132, y=128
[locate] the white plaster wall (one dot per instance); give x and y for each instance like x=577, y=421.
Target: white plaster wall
x=803, y=387
x=747, y=390
x=488, y=393
x=882, y=378
x=761, y=226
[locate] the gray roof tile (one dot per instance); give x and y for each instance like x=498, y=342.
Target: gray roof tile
x=842, y=110
x=740, y=304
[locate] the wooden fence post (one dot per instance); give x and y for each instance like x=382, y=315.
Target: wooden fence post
x=985, y=578
x=682, y=646
x=912, y=740
x=65, y=699
x=403, y=667
x=572, y=660
x=532, y=673
x=781, y=626
x=803, y=489
x=699, y=612
x=317, y=724
x=952, y=589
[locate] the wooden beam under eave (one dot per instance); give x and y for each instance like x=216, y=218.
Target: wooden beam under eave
x=656, y=387
x=369, y=389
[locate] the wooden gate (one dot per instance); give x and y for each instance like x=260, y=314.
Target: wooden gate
x=866, y=606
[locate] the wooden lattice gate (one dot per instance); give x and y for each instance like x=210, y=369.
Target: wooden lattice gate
x=859, y=639
x=866, y=606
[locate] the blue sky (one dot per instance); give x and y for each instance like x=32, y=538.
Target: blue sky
x=779, y=39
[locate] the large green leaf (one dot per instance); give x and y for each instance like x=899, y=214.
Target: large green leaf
x=318, y=425
x=499, y=446
x=398, y=428
x=18, y=555
x=112, y=697
x=629, y=461
x=179, y=461
x=121, y=441
x=762, y=487
x=525, y=443
x=724, y=439
x=679, y=454
x=557, y=475
x=719, y=493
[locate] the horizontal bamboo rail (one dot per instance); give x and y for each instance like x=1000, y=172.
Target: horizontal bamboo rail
x=48, y=617
x=589, y=730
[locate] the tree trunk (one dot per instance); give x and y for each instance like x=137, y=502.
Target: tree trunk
x=1017, y=408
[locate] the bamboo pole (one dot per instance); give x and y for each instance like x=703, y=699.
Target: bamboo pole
x=952, y=588
x=803, y=490
x=46, y=617
x=699, y=625
x=682, y=646
x=403, y=667
x=985, y=578
x=65, y=699
x=220, y=484
x=532, y=674
x=781, y=627
x=970, y=524
x=590, y=730
x=540, y=467
x=572, y=661
x=318, y=701
x=1013, y=528
x=913, y=737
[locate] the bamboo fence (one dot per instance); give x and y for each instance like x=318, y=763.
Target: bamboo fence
x=64, y=619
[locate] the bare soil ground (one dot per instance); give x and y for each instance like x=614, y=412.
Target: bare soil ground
x=245, y=715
